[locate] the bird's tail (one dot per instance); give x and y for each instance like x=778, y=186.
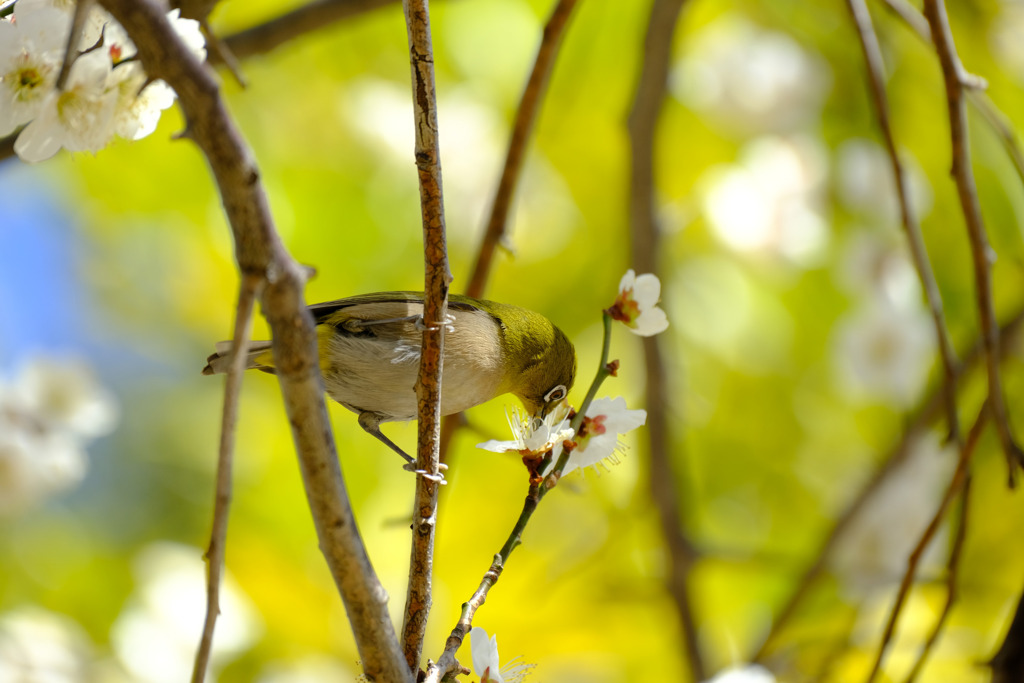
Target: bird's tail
x=258, y=357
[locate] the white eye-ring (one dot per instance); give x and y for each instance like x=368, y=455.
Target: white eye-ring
x=556, y=394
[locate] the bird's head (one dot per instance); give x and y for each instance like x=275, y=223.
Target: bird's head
x=541, y=363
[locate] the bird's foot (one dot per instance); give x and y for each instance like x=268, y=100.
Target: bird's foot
x=448, y=322
x=438, y=478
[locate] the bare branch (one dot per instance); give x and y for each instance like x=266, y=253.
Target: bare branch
x=217, y=549
x=955, y=485
x=982, y=254
x=928, y=413
x=261, y=254
x=522, y=128
x=435, y=309
x=952, y=576
x=918, y=251
x=645, y=234
x=82, y=8
x=314, y=16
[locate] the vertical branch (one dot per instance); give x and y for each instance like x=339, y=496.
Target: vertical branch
x=217, y=549
x=960, y=477
x=260, y=253
x=919, y=253
x=522, y=128
x=956, y=79
x=435, y=308
x=650, y=96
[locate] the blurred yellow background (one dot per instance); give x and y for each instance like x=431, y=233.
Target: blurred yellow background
x=799, y=347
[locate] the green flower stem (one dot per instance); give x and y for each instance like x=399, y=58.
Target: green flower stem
x=603, y=372
x=539, y=489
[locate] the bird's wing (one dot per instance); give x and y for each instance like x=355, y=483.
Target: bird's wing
x=357, y=308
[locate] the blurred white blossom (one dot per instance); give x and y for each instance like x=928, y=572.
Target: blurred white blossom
x=103, y=95
x=750, y=673
x=156, y=635
x=47, y=415
x=866, y=185
x=874, y=550
x=883, y=352
x=751, y=79
x=37, y=646
x=772, y=200
x=876, y=263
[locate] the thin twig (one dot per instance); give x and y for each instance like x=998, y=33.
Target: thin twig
x=955, y=485
x=82, y=8
x=215, y=553
x=522, y=127
x=260, y=252
x=930, y=410
x=919, y=253
x=645, y=234
x=308, y=18
x=435, y=309
x=992, y=115
x=982, y=254
x=952, y=576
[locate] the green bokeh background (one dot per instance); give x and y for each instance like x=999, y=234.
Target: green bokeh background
x=329, y=119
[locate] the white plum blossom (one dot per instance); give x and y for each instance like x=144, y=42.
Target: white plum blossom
x=30, y=59
x=41, y=646
x=533, y=436
x=750, y=673
x=598, y=437
x=106, y=93
x=47, y=414
x=486, y=664
x=637, y=304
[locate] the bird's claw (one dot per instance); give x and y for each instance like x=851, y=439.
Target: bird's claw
x=438, y=478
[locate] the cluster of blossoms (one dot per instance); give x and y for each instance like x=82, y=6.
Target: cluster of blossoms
x=106, y=92
x=48, y=413
x=597, y=439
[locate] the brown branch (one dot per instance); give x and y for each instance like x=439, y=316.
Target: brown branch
x=919, y=253
x=82, y=9
x=645, y=234
x=261, y=254
x=447, y=662
x=435, y=309
x=955, y=485
x=981, y=253
x=217, y=549
x=995, y=118
x=522, y=127
x=314, y=16
x=952, y=576
x=930, y=410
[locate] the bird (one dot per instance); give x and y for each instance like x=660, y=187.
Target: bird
x=369, y=351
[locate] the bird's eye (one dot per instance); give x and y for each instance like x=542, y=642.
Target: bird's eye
x=556, y=394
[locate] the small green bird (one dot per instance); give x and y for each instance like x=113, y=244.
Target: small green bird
x=370, y=353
